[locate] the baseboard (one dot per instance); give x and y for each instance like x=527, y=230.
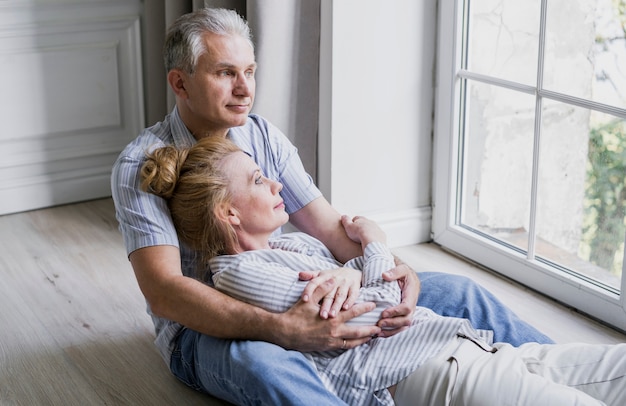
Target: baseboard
x=406, y=227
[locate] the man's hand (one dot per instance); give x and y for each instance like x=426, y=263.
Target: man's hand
x=301, y=327
x=362, y=230
x=343, y=294
x=397, y=318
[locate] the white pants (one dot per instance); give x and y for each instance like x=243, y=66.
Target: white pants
x=465, y=374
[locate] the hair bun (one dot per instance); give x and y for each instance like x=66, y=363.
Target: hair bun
x=161, y=170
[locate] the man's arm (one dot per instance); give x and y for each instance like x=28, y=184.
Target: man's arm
x=322, y=221
x=202, y=308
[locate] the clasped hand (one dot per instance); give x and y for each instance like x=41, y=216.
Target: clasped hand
x=318, y=320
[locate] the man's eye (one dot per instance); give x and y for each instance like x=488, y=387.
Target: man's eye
x=250, y=74
x=259, y=180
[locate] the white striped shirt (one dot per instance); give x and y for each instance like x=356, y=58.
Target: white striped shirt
x=144, y=218
x=269, y=279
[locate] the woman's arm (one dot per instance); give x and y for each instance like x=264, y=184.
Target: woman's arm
x=261, y=278
x=197, y=306
x=376, y=260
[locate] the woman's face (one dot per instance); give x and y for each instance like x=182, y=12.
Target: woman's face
x=255, y=199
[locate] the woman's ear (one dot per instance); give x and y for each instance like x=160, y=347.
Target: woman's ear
x=233, y=216
x=228, y=214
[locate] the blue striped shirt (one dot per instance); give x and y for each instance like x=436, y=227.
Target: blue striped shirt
x=269, y=279
x=144, y=218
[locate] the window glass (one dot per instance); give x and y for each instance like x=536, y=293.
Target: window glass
x=503, y=39
x=530, y=145
x=497, y=174
x=586, y=50
x=581, y=204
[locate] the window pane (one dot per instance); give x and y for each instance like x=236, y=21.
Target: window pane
x=498, y=162
x=586, y=50
x=581, y=199
x=503, y=39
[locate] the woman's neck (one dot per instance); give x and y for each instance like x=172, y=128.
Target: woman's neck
x=250, y=243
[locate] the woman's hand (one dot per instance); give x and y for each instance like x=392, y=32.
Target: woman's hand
x=343, y=294
x=397, y=318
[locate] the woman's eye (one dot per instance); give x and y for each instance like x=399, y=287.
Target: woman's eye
x=259, y=180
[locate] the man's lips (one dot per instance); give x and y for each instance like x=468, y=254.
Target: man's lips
x=238, y=107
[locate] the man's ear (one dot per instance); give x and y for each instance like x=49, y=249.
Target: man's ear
x=176, y=79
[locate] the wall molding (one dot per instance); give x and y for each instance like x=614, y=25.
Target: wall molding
x=76, y=98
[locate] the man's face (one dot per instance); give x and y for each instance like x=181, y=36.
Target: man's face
x=220, y=93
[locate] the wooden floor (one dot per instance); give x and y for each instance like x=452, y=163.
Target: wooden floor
x=73, y=327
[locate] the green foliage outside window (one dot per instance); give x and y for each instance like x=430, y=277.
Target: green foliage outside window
x=605, y=191
x=605, y=196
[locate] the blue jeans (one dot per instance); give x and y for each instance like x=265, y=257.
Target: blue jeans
x=248, y=372
x=459, y=296
x=259, y=373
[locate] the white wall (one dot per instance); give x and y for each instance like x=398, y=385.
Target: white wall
x=71, y=98
x=377, y=60
x=376, y=107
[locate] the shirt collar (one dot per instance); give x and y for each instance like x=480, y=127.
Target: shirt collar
x=184, y=139
x=180, y=133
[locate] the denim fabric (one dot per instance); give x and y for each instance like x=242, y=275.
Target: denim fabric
x=459, y=296
x=248, y=372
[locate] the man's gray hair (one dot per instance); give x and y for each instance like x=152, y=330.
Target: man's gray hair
x=183, y=41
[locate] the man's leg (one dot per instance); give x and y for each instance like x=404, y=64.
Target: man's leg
x=458, y=296
x=248, y=372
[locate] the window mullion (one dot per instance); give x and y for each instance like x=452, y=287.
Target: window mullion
x=532, y=232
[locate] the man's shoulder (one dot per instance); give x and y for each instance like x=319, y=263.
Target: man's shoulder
x=149, y=139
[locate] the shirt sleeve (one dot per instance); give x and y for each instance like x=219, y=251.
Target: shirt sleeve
x=144, y=218
x=376, y=259
x=270, y=285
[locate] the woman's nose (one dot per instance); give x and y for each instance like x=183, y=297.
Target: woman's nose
x=277, y=186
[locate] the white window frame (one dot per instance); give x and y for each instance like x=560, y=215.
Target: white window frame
x=572, y=290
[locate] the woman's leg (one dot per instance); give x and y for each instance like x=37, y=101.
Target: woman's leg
x=598, y=370
x=539, y=375
x=248, y=372
x=503, y=378
x=458, y=296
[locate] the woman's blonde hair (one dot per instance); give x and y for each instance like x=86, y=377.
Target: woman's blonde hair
x=196, y=189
